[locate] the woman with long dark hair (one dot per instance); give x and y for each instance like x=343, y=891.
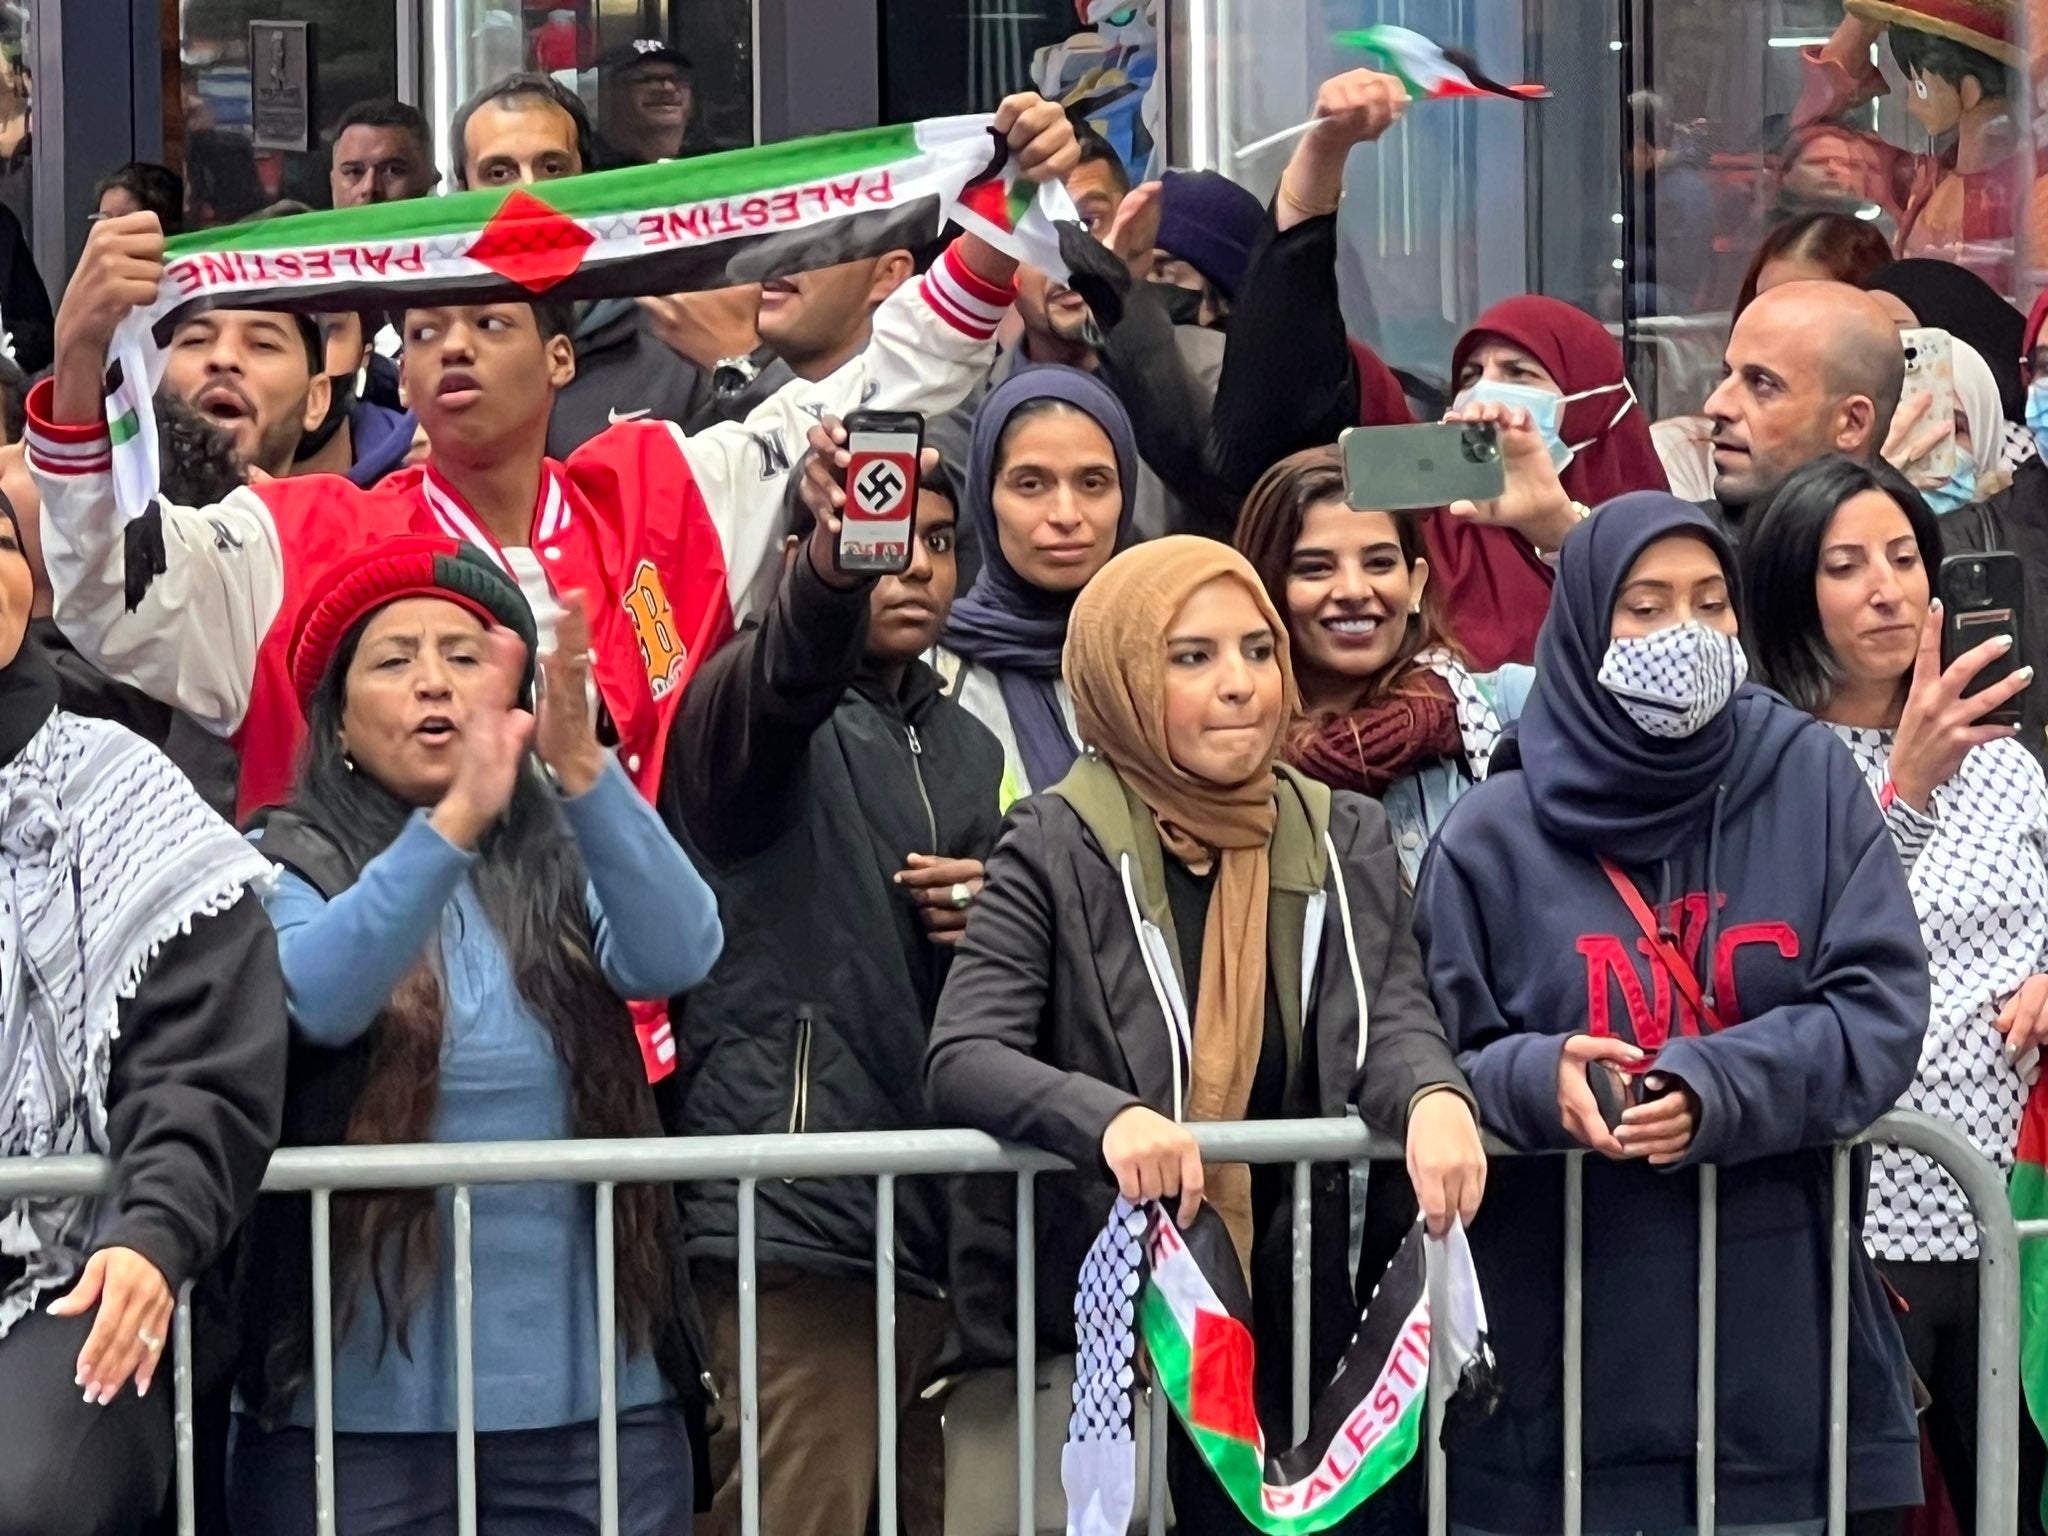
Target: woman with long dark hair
x=1841, y=567
x=141, y=1021
x=459, y=930
x=1676, y=886
x=1389, y=706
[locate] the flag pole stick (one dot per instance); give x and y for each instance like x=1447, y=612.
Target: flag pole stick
x=1282, y=137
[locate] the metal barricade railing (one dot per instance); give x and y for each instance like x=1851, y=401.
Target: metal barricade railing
x=889, y=1156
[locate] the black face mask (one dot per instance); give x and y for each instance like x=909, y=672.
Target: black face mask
x=1183, y=305
x=341, y=401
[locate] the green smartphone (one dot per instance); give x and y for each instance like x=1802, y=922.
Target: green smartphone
x=1403, y=469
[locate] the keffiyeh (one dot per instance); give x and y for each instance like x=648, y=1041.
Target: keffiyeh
x=106, y=853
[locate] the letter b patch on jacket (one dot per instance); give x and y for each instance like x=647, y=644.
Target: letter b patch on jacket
x=654, y=622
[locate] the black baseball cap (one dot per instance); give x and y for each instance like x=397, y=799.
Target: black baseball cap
x=642, y=50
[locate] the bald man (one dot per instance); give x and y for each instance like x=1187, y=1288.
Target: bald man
x=1811, y=369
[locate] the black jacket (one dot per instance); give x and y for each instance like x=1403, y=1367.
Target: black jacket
x=801, y=784
x=194, y=1092
x=624, y=372
x=1050, y=1028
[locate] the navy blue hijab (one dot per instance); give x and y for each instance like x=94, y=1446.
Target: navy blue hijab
x=1595, y=777
x=1004, y=623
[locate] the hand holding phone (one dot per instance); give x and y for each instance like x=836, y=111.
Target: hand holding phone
x=1403, y=469
x=1927, y=408
x=1949, y=711
x=879, y=517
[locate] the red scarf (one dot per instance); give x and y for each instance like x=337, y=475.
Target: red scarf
x=1370, y=749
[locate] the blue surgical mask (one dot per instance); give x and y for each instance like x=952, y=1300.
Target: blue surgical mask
x=1545, y=409
x=2037, y=415
x=1956, y=492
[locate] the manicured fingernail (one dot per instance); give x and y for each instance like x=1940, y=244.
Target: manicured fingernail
x=142, y=1389
x=2026, y=672
x=2003, y=642
x=1937, y=605
x=88, y=1394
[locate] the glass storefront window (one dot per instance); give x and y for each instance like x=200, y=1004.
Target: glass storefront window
x=1101, y=57
x=652, y=72
x=230, y=162
x=1681, y=134
x=17, y=96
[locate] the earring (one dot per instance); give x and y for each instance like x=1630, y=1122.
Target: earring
x=348, y=762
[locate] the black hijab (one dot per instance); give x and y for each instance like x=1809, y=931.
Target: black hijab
x=1954, y=299
x=1596, y=778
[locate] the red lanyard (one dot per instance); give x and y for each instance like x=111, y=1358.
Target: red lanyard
x=1681, y=973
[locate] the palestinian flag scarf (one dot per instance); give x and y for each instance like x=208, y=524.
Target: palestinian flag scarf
x=2029, y=1188
x=1184, y=1295
x=1431, y=71
x=738, y=217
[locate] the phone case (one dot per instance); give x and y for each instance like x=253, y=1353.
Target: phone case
x=880, y=517
x=1404, y=469
x=1930, y=375
x=1984, y=595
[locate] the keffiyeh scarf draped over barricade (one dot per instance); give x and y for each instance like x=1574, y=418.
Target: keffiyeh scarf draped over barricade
x=106, y=853
x=1184, y=1296
x=740, y=217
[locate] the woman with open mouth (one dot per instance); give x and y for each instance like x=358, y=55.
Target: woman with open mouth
x=1390, y=706
x=459, y=927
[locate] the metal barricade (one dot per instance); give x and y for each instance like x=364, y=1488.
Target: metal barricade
x=887, y=1157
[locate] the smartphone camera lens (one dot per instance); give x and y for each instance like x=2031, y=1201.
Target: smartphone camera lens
x=1481, y=444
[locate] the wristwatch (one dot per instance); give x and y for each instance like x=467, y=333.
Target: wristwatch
x=733, y=374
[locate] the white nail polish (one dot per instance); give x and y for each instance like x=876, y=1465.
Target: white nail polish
x=88, y=1394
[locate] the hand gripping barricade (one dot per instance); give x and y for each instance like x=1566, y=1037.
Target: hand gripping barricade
x=318, y=1172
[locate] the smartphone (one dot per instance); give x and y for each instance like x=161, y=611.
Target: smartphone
x=880, y=518
x=1403, y=469
x=1930, y=373
x=1984, y=596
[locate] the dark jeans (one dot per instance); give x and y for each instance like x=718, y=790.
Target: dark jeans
x=67, y=1467
x=1940, y=1330
x=532, y=1482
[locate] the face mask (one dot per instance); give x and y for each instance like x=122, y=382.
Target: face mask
x=1547, y=411
x=1958, y=491
x=1673, y=682
x=2037, y=415
x=1183, y=305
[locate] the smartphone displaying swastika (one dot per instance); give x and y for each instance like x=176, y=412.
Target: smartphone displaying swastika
x=880, y=517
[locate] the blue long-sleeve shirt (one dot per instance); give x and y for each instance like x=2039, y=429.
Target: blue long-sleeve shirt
x=657, y=933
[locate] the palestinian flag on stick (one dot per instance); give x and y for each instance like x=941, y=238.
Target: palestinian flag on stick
x=1185, y=1296
x=683, y=225
x=2030, y=1203
x=1431, y=71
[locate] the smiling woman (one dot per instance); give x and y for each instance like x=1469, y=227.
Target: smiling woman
x=1389, y=706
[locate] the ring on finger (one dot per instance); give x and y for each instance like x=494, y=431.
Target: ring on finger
x=960, y=896
x=149, y=1341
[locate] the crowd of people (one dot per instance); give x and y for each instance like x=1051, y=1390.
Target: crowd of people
x=582, y=793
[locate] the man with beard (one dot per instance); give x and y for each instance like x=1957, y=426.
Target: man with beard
x=255, y=374
x=1810, y=369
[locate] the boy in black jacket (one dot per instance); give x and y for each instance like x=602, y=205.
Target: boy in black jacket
x=840, y=806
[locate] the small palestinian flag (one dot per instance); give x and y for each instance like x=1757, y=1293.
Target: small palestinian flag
x=2030, y=1203
x=682, y=225
x=1431, y=71
x=1184, y=1295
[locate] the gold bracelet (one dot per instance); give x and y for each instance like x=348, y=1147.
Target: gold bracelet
x=1307, y=210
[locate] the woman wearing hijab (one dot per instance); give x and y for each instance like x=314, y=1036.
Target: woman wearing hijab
x=1549, y=376
x=1679, y=888
x=141, y=1020
x=1943, y=296
x=1049, y=495
x=1841, y=566
x=459, y=931
x=1183, y=931
x=1389, y=708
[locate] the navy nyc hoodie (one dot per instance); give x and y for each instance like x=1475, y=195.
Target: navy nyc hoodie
x=1761, y=850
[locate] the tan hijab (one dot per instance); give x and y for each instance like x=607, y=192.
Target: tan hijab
x=1115, y=665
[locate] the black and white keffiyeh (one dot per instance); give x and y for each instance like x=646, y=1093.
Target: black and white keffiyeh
x=106, y=854
x=1478, y=723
